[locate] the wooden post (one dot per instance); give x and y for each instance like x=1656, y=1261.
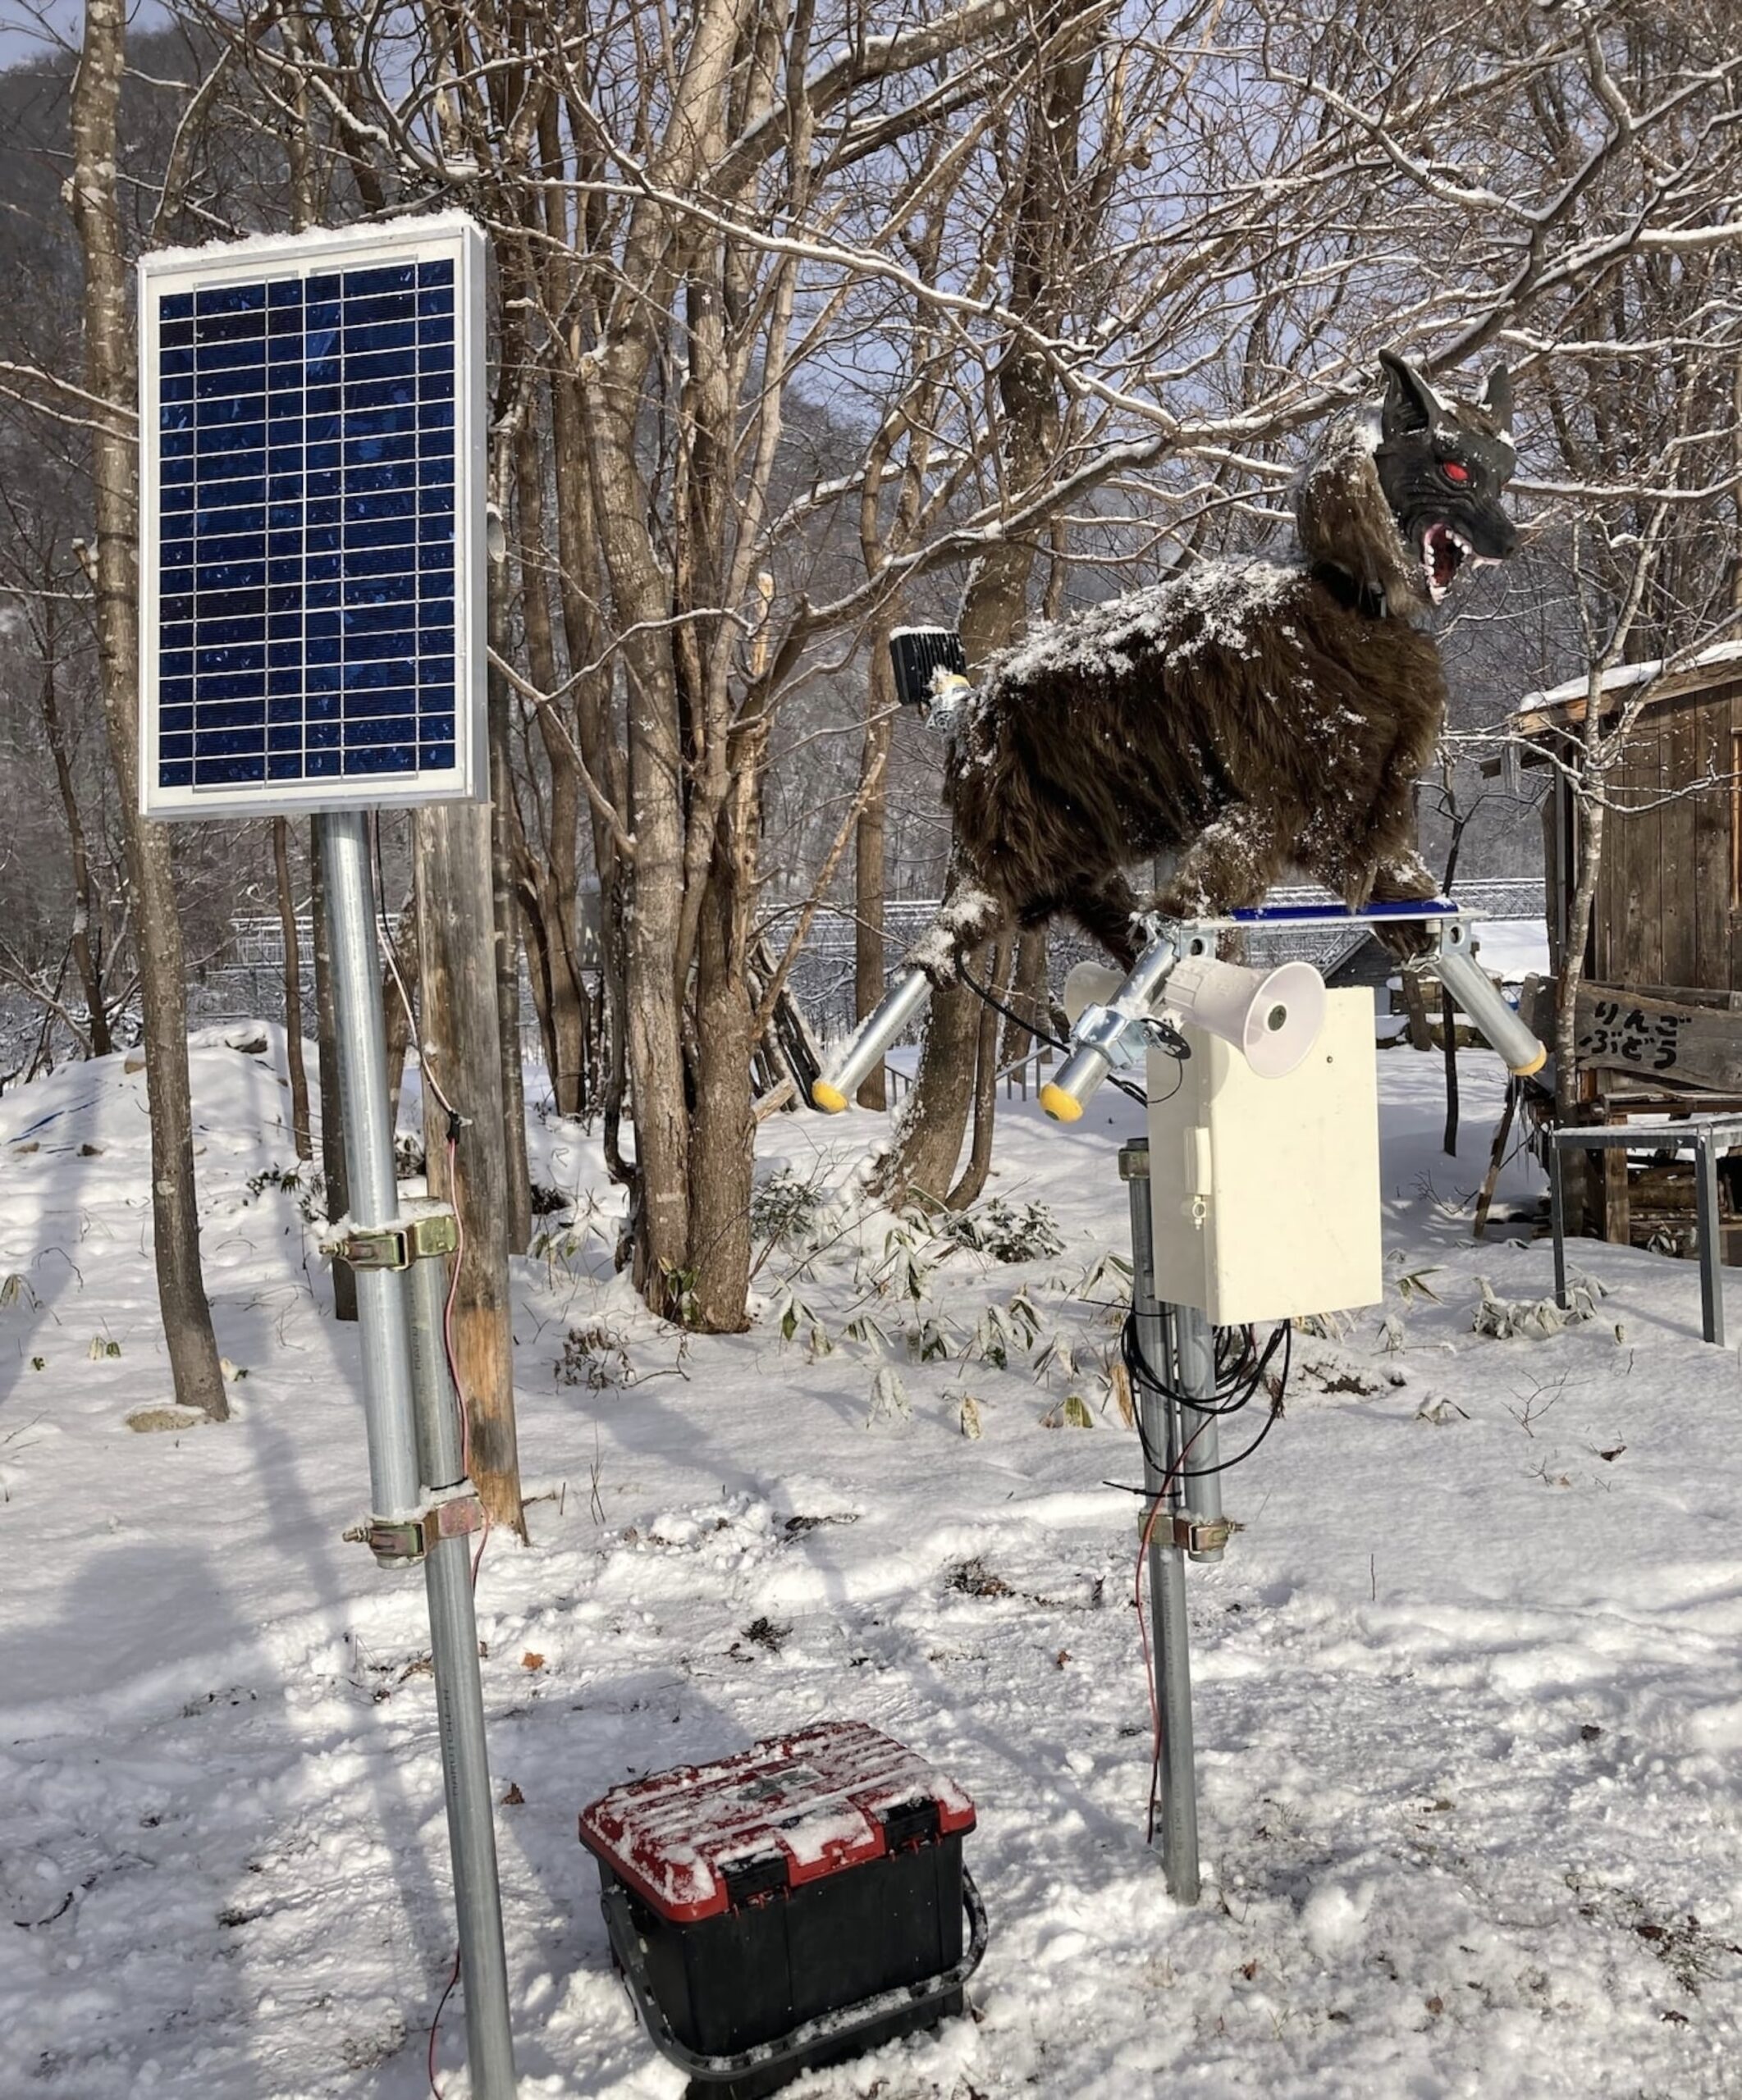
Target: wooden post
x=1617, y=1225
x=461, y=1055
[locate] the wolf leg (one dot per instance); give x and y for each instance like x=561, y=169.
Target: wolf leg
x=1106, y=911
x=1398, y=879
x=970, y=916
x=1403, y=880
x=1230, y=864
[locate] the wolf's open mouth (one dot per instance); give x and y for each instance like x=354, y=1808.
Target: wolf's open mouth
x=1444, y=552
x=1442, y=555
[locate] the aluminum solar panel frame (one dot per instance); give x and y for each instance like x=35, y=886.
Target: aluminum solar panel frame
x=312, y=503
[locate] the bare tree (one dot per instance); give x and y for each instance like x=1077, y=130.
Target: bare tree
x=293, y=991
x=109, y=378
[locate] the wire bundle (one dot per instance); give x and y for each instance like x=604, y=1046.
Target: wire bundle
x=1243, y=1370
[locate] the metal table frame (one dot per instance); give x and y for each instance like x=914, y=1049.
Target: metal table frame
x=1707, y=1137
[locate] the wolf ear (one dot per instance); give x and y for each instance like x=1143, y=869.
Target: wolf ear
x=1411, y=404
x=1496, y=397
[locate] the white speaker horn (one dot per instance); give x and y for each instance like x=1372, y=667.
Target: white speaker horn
x=1272, y=1017
x=1088, y=984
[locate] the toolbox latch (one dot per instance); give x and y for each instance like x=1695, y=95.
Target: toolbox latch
x=909, y=1824
x=747, y=1879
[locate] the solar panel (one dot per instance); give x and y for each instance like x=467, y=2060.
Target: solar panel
x=312, y=508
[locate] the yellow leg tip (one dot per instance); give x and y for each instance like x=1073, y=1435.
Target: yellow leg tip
x=1535, y=1065
x=828, y=1098
x=1062, y=1107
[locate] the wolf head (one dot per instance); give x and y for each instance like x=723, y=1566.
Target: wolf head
x=1443, y=463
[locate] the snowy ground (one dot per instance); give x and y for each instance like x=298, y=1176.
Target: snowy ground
x=1468, y=1693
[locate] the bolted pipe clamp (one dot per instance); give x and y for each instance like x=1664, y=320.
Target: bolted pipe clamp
x=451, y=1515
x=430, y=1234
x=1180, y=1528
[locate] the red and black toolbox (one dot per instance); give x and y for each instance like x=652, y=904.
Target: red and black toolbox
x=789, y=1906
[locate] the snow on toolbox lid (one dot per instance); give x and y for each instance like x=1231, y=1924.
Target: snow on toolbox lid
x=817, y=1800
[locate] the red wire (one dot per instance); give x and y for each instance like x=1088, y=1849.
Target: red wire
x=447, y=1315
x=435, y=2025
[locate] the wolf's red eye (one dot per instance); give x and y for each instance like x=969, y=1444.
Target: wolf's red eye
x=1454, y=470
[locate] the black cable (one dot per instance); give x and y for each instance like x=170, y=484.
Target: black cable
x=1031, y=1027
x=1166, y=1037
x=1239, y=1367
x=1241, y=1375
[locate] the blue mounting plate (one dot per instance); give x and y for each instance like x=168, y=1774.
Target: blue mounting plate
x=1330, y=914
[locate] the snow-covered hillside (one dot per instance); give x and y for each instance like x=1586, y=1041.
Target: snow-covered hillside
x=1468, y=1697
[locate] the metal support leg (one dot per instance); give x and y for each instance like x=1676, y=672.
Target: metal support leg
x=864, y=1050
x=1557, y=1218
x=396, y=1477
x=1167, y=1563
x=1195, y=1343
x=1710, y=1238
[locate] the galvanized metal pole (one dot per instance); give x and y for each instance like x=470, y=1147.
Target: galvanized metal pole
x=1711, y=1235
x=1557, y=1214
x=1194, y=1346
x=1172, y=1659
x=396, y=1476
x=373, y=1187
x=459, y=1705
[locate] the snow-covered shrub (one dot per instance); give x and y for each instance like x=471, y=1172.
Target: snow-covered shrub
x=786, y=1210
x=1007, y=1235
x=1535, y=1319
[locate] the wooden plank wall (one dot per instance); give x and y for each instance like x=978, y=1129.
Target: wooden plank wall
x=1664, y=904
x=1714, y=845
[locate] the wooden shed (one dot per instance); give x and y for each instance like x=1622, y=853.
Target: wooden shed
x=1660, y=1008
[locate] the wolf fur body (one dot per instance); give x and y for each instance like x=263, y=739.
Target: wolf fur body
x=1242, y=719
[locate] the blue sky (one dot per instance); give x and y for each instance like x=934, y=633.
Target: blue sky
x=27, y=27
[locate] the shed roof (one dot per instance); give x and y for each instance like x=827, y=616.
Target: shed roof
x=1557, y=705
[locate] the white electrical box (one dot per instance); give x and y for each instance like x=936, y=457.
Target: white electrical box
x=1265, y=1192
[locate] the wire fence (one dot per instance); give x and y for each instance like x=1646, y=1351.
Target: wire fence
x=244, y=979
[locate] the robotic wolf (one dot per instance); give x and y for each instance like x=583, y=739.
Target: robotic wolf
x=1245, y=717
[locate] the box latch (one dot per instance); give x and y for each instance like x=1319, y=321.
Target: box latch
x=909, y=1824
x=747, y=1879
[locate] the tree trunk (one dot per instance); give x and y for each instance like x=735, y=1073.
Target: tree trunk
x=550, y=878
x=1590, y=849
x=995, y=603
x=517, y=1189
x=929, y=1129
x=723, y=1127
x=84, y=955
x=870, y=873
x=292, y=992
x=109, y=374
x=462, y=1055
x=1027, y=996
x=968, y=1190
x=334, y=1179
